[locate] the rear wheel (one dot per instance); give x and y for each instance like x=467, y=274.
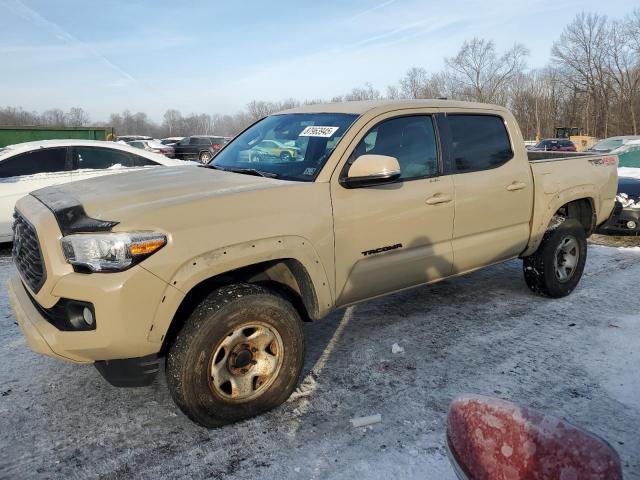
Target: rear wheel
x=205, y=157
x=556, y=267
x=239, y=354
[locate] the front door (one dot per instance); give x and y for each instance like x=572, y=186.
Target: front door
x=183, y=149
x=394, y=236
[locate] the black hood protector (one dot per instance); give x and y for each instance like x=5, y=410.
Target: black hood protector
x=70, y=213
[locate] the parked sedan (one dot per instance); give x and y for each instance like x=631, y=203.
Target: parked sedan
x=554, y=145
x=154, y=146
x=29, y=166
x=274, y=151
x=625, y=219
x=609, y=144
x=199, y=147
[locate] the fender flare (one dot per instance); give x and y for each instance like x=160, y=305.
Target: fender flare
x=540, y=223
x=233, y=257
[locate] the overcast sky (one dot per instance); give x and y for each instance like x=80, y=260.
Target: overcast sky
x=215, y=56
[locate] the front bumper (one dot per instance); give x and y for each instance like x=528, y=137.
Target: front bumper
x=617, y=223
x=125, y=304
x=32, y=325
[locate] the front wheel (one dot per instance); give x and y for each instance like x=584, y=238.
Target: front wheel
x=285, y=156
x=239, y=354
x=556, y=267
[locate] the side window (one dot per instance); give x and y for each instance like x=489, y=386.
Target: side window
x=142, y=162
x=49, y=160
x=101, y=158
x=411, y=140
x=184, y=141
x=478, y=142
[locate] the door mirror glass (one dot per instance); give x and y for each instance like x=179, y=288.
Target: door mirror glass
x=368, y=170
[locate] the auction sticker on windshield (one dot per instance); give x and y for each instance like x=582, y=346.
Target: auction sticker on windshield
x=318, y=131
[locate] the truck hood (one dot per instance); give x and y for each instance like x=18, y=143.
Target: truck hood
x=127, y=195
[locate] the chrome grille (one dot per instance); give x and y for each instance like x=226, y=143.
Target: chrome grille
x=26, y=253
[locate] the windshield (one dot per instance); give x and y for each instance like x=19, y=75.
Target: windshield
x=291, y=146
x=608, y=144
x=629, y=156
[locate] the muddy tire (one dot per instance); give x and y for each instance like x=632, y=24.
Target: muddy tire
x=556, y=267
x=238, y=355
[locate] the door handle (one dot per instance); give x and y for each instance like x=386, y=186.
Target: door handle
x=438, y=198
x=516, y=186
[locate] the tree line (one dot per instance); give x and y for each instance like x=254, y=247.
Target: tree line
x=592, y=81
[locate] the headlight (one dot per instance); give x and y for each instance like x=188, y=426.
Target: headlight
x=111, y=252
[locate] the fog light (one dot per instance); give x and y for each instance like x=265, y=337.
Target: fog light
x=87, y=315
x=631, y=225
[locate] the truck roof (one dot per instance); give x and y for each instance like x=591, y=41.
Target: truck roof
x=360, y=107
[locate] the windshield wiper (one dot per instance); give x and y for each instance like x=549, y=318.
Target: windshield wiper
x=246, y=171
x=252, y=171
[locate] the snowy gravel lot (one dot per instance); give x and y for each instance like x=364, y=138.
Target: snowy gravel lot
x=576, y=357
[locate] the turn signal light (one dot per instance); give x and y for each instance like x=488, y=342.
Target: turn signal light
x=146, y=247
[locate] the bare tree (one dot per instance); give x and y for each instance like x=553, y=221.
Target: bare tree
x=393, y=92
x=363, y=93
x=581, y=54
x=172, y=121
x=478, y=73
x=77, y=117
x=414, y=83
x=54, y=117
x=624, y=65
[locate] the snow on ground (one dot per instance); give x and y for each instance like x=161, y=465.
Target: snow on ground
x=484, y=333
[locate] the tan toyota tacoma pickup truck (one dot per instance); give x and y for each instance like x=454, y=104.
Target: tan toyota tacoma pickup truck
x=211, y=270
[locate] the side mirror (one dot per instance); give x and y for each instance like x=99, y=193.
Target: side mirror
x=369, y=170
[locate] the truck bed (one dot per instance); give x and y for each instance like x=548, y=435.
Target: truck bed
x=562, y=176
x=535, y=156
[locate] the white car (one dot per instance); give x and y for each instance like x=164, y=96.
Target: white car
x=26, y=167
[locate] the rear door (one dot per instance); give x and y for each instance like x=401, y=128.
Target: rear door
x=25, y=173
x=395, y=236
x=493, y=189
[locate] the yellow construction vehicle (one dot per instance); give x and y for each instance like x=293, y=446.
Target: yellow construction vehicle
x=582, y=142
